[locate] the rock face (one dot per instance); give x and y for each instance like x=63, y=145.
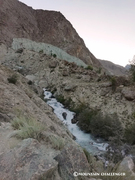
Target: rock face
x=27, y=161
x=127, y=166
x=20, y=21
x=72, y=159
x=113, y=69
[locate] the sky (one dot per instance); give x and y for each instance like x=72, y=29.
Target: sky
x=106, y=26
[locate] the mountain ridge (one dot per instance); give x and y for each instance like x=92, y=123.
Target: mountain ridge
x=17, y=20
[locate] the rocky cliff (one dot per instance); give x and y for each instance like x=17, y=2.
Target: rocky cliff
x=20, y=21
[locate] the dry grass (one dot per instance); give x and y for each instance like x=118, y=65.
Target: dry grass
x=29, y=128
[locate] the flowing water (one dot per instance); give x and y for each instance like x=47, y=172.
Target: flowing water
x=94, y=146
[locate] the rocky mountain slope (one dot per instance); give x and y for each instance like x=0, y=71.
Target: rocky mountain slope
x=65, y=79
x=20, y=21
x=31, y=158
x=113, y=69
x=37, y=54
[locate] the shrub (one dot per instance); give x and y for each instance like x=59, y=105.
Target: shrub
x=68, y=103
x=99, y=125
x=84, y=119
x=57, y=142
x=30, y=82
x=99, y=70
x=89, y=68
x=12, y=79
x=132, y=71
x=29, y=128
x=130, y=134
x=41, y=51
x=54, y=55
x=114, y=83
x=105, y=126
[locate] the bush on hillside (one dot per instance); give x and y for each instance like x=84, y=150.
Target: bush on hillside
x=89, y=68
x=100, y=126
x=12, y=79
x=130, y=134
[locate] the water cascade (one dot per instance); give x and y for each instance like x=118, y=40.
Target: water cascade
x=87, y=141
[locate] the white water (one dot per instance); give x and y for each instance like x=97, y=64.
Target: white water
x=95, y=146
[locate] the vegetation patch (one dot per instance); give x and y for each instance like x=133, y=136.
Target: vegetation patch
x=12, y=79
x=89, y=68
x=57, y=142
x=94, y=122
x=68, y=103
x=29, y=128
x=130, y=134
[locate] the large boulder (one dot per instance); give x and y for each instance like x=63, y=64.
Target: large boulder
x=128, y=93
x=72, y=159
x=127, y=166
x=27, y=161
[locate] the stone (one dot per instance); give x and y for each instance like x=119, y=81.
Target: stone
x=69, y=87
x=128, y=93
x=27, y=161
x=74, y=121
x=106, y=84
x=53, y=64
x=64, y=114
x=20, y=50
x=127, y=166
x=65, y=73
x=72, y=159
x=4, y=118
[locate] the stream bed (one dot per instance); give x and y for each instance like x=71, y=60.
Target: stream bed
x=87, y=141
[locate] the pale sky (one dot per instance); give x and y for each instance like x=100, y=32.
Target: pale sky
x=106, y=26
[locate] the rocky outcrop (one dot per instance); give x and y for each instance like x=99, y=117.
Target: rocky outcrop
x=20, y=21
x=28, y=161
x=72, y=159
x=127, y=167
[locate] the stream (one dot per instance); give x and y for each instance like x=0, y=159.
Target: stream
x=87, y=141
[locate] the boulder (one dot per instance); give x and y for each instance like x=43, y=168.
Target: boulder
x=128, y=93
x=69, y=87
x=72, y=159
x=65, y=72
x=53, y=64
x=127, y=166
x=64, y=114
x=27, y=161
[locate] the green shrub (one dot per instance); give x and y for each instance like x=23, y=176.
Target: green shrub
x=41, y=51
x=68, y=103
x=105, y=126
x=54, y=55
x=89, y=68
x=99, y=125
x=114, y=83
x=29, y=128
x=12, y=79
x=130, y=134
x=84, y=119
x=99, y=70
